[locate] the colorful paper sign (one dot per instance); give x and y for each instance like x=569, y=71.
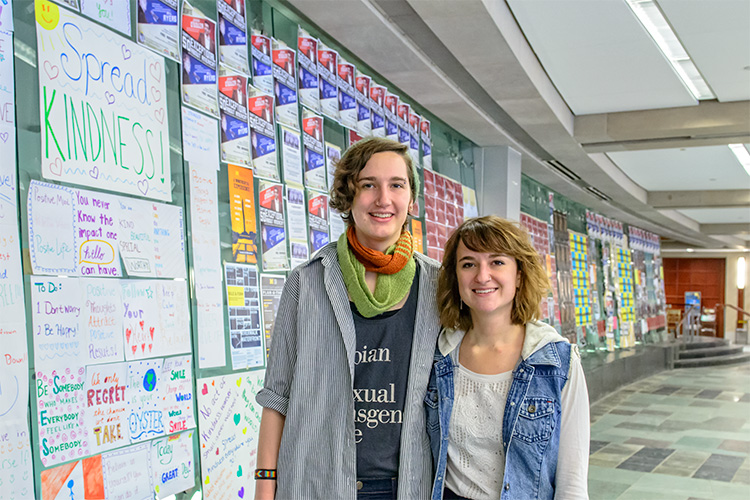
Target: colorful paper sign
x=260, y=52
x=61, y=401
x=327, y=73
x=347, y=101
x=243, y=307
x=414, y=130
x=140, y=322
x=390, y=110
x=103, y=108
x=177, y=394
x=307, y=53
x=362, y=94
x=233, y=35
x=272, y=227
x=172, y=463
x=199, y=68
x=158, y=28
x=235, y=143
x=377, y=114
x=317, y=209
x=242, y=212
x=81, y=479
x=228, y=421
x=285, y=84
x=105, y=418
x=144, y=388
x=262, y=134
x=426, y=136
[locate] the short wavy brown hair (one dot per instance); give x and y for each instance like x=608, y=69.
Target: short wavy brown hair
x=353, y=161
x=492, y=234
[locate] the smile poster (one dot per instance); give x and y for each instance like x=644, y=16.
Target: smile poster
x=102, y=107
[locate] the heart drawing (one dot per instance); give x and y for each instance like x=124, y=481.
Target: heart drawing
x=156, y=94
x=94, y=172
x=155, y=69
x=51, y=70
x=110, y=97
x=204, y=391
x=143, y=186
x=125, y=52
x=4, y=136
x=159, y=115
x=56, y=167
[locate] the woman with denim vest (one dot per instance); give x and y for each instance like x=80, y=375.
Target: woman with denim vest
x=507, y=406
x=352, y=347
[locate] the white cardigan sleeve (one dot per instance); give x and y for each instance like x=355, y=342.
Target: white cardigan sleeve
x=571, y=481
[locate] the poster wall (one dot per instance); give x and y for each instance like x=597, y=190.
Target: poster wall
x=84, y=112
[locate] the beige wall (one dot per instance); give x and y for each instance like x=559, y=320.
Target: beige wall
x=730, y=283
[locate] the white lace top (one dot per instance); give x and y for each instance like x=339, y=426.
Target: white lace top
x=476, y=461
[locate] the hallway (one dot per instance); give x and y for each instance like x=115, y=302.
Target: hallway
x=682, y=434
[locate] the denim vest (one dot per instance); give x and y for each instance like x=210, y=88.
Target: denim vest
x=531, y=423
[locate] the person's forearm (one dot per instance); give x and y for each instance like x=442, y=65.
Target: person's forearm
x=269, y=441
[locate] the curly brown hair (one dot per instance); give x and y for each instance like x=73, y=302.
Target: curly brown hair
x=492, y=234
x=353, y=161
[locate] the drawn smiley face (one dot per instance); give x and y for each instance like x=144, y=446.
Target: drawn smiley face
x=47, y=14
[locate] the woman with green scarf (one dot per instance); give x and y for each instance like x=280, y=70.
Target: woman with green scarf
x=352, y=348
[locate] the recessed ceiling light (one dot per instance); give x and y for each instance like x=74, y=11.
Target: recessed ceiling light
x=742, y=155
x=689, y=250
x=653, y=20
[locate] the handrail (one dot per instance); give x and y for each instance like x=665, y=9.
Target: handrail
x=719, y=306
x=679, y=328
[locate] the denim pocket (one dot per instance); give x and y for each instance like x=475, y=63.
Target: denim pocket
x=536, y=420
x=432, y=409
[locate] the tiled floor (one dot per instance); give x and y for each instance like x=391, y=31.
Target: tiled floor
x=679, y=435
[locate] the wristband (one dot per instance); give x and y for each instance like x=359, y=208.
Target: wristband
x=265, y=474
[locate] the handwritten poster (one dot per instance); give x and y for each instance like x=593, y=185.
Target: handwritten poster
x=260, y=52
x=317, y=214
x=204, y=216
x=242, y=210
x=377, y=115
x=103, y=107
x=235, y=143
x=314, y=155
x=426, y=136
x=140, y=318
x=328, y=75
x=199, y=68
x=285, y=83
x=200, y=141
x=169, y=240
x=297, y=221
x=174, y=317
x=81, y=479
x=177, y=394
x=56, y=315
x=135, y=238
x=347, y=100
x=157, y=27
x=232, y=35
x=61, y=401
x=262, y=133
x=101, y=320
x=228, y=423
x=16, y=474
x=127, y=473
x=144, y=387
x=105, y=418
x=291, y=156
x=271, y=286
x=243, y=307
x=173, y=464
x=307, y=52
x=6, y=15
x=272, y=226
x=113, y=14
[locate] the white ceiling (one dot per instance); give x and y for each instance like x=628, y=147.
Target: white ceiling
x=683, y=169
x=716, y=36
x=718, y=215
x=599, y=56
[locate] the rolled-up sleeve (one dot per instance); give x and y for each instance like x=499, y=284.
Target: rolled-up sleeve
x=282, y=358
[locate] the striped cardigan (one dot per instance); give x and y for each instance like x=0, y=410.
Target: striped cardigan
x=310, y=380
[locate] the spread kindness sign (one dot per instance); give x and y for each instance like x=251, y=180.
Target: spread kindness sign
x=102, y=106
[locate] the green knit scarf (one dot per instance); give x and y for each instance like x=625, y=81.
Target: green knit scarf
x=390, y=289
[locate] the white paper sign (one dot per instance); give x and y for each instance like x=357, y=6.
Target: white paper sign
x=59, y=340
x=6, y=15
x=140, y=322
x=102, y=320
x=200, y=138
x=177, y=394
x=110, y=13
x=127, y=473
x=105, y=417
x=173, y=464
x=102, y=108
x=144, y=384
